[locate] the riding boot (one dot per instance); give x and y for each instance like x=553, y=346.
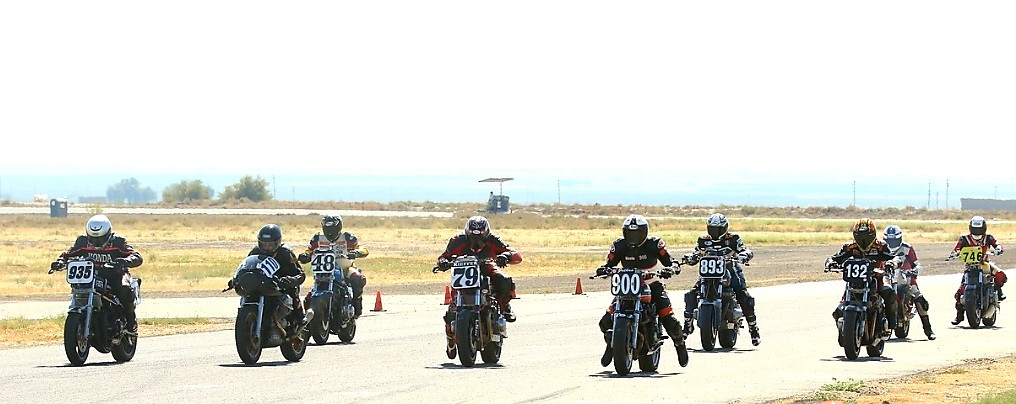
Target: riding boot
x=927, y=328
x=357, y=306
x=450, y=349
x=959, y=317
x=673, y=328
x=689, y=324
x=756, y=339
x=1001, y=296
x=132, y=321
x=608, y=354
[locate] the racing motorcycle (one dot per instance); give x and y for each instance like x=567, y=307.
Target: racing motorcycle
x=264, y=318
x=718, y=313
x=863, y=322
x=478, y=324
x=331, y=296
x=980, y=298
x=96, y=318
x=637, y=333
x=905, y=308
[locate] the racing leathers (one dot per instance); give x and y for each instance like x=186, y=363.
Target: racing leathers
x=730, y=243
x=907, y=275
x=878, y=253
x=985, y=243
x=353, y=274
x=117, y=252
x=289, y=276
x=502, y=286
x=645, y=256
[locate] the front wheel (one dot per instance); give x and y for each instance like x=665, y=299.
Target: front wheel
x=903, y=317
x=852, y=331
x=621, y=342
x=707, y=328
x=319, y=324
x=465, y=338
x=248, y=343
x=75, y=341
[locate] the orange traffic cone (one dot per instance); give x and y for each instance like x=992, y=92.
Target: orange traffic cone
x=447, y=295
x=578, y=286
x=377, y=302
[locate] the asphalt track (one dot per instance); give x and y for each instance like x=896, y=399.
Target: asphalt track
x=552, y=354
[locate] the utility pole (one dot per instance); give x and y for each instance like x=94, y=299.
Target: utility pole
x=558, y=192
x=928, y=206
x=947, y=194
x=274, y=194
x=855, y=195
x=936, y=200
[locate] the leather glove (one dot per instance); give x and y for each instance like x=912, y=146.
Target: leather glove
x=952, y=255
x=742, y=258
x=120, y=265
x=689, y=258
x=352, y=255
x=890, y=265
x=287, y=282
x=444, y=264
x=999, y=251
x=304, y=258
x=55, y=266
x=829, y=264
x=231, y=284
x=501, y=260
x=602, y=271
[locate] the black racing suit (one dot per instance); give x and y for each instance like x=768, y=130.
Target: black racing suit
x=735, y=245
x=353, y=275
x=879, y=253
x=289, y=275
x=116, y=249
x=645, y=256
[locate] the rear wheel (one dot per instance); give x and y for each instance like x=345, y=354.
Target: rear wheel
x=707, y=329
x=990, y=321
x=621, y=342
x=728, y=336
x=124, y=351
x=248, y=343
x=465, y=340
x=294, y=347
x=649, y=363
x=347, y=333
x=851, y=335
x=75, y=341
x=492, y=352
x=876, y=348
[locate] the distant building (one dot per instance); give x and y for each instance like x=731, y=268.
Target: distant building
x=987, y=204
x=91, y=199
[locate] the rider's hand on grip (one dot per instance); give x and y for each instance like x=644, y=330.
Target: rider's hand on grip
x=55, y=266
x=829, y=264
x=304, y=258
x=689, y=258
x=999, y=250
x=666, y=272
x=742, y=258
x=444, y=264
x=352, y=255
x=501, y=260
x=952, y=255
x=602, y=271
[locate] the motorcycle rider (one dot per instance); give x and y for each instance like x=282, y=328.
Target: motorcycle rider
x=867, y=245
x=331, y=233
x=893, y=237
x=978, y=237
x=718, y=236
x=290, y=276
x=102, y=246
x=477, y=240
x=636, y=249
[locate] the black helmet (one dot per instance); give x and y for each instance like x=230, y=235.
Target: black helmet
x=331, y=226
x=477, y=230
x=98, y=229
x=864, y=233
x=635, y=230
x=978, y=227
x=717, y=226
x=270, y=238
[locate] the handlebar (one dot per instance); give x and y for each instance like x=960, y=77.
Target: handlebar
x=451, y=260
x=659, y=271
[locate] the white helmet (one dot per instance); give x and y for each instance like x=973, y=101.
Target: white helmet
x=717, y=225
x=893, y=237
x=635, y=230
x=978, y=227
x=98, y=229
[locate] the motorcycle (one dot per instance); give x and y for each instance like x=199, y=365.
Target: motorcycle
x=96, y=318
x=264, y=319
x=980, y=298
x=637, y=333
x=905, y=308
x=478, y=324
x=863, y=322
x=718, y=314
x=331, y=296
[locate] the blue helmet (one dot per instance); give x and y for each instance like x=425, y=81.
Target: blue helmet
x=893, y=236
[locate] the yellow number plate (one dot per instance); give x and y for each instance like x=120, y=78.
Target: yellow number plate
x=972, y=255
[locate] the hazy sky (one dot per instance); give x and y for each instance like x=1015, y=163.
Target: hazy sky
x=743, y=90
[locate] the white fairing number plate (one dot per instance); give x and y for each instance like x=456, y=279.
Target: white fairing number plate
x=626, y=284
x=79, y=272
x=322, y=262
x=465, y=274
x=269, y=267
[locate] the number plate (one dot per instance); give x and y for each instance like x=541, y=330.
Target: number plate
x=972, y=255
x=322, y=262
x=856, y=270
x=465, y=274
x=711, y=267
x=79, y=272
x=269, y=267
x=626, y=282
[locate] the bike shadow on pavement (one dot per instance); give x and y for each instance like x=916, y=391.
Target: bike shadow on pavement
x=721, y=350
x=255, y=365
x=85, y=365
x=862, y=358
x=451, y=365
x=608, y=374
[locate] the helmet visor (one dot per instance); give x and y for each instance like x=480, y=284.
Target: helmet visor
x=635, y=237
x=715, y=232
x=476, y=240
x=894, y=243
x=269, y=246
x=864, y=239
